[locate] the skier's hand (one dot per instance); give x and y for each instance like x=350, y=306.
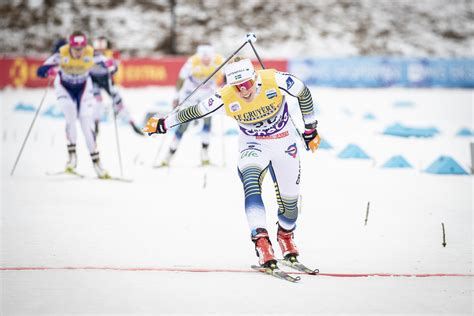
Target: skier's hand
x=109, y=63
x=311, y=139
x=111, y=66
x=52, y=72
x=155, y=126
x=45, y=71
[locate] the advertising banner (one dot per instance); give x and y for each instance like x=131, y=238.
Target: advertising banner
x=371, y=72
x=382, y=72
x=134, y=72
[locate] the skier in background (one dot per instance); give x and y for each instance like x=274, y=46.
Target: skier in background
x=267, y=141
x=196, y=69
x=102, y=78
x=73, y=86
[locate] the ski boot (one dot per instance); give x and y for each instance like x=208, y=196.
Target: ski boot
x=205, y=155
x=72, y=160
x=263, y=248
x=287, y=244
x=99, y=170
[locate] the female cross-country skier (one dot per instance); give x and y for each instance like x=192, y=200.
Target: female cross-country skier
x=73, y=87
x=267, y=141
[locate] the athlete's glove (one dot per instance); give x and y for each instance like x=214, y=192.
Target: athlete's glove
x=111, y=66
x=52, y=72
x=311, y=139
x=155, y=126
x=46, y=71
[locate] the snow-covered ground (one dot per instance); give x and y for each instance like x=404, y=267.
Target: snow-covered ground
x=109, y=248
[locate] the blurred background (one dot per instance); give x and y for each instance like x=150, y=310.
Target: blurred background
x=338, y=43
x=299, y=28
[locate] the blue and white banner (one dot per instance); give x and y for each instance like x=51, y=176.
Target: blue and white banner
x=384, y=72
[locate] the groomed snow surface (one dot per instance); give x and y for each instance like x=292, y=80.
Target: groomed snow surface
x=73, y=246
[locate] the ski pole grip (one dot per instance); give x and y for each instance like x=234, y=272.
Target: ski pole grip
x=251, y=37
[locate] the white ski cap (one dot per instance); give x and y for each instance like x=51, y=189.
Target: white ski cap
x=239, y=71
x=205, y=50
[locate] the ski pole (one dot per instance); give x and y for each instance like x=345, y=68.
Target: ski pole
x=223, y=142
x=256, y=54
x=176, y=109
x=160, y=147
x=116, y=128
x=50, y=79
x=118, y=143
x=291, y=119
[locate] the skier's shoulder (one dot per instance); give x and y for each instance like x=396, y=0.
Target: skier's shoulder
x=288, y=82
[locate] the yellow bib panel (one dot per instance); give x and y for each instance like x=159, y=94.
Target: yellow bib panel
x=201, y=71
x=73, y=66
x=264, y=106
x=108, y=53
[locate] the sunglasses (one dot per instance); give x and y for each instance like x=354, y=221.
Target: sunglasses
x=246, y=84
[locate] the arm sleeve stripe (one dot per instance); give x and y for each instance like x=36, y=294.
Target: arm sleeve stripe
x=192, y=113
x=306, y=102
